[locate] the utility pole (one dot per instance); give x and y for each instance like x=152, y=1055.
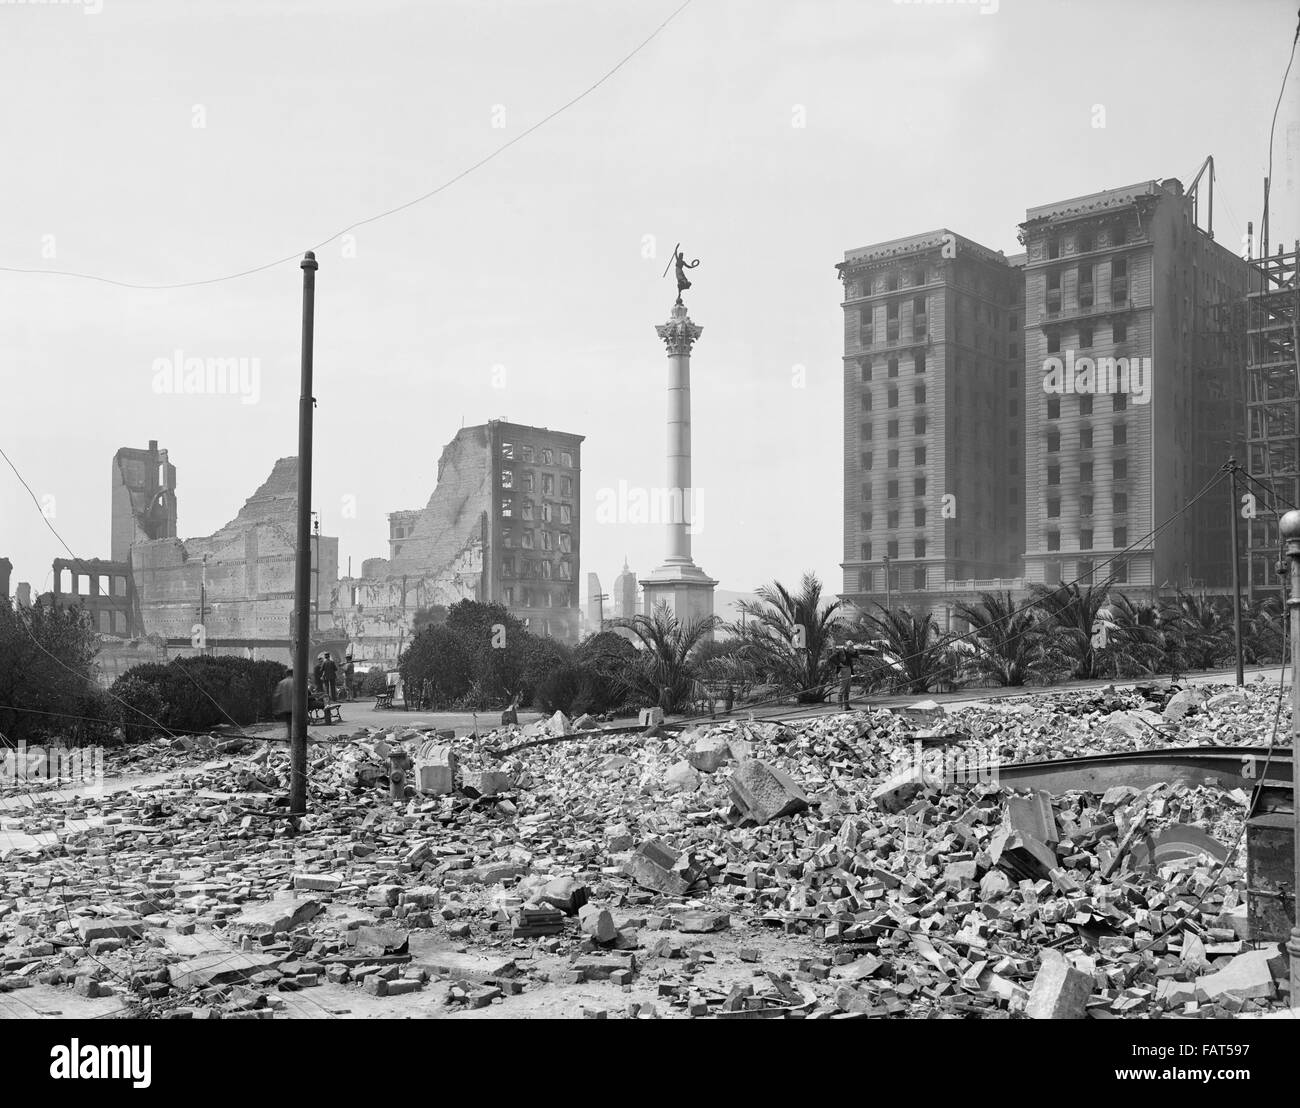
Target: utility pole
x=1236, y=572
x=315, y=526
x=203, y=606
x=602, y=597
x=1289, y=528
x=302, y=584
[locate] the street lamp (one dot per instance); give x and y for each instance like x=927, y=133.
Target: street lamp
x=887, y=560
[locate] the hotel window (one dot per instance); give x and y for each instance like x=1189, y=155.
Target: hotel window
x=507, y=507
x=1085, y=405
x=865, y=432
x=1053, y=442
x=507, y=537
x=1121, y=469
x=526, y=453
x=1052, y=571
x=891, y=548
x=1014, y=350
x=1085, y=438
x=866, y=521
x=893, y=398
x=1084, y=242
x=866, y=401
x=1053, y=407
x=918, y=486
x=1118, y=234
x=891, y=429
x=507, y=451
x=1013, y=406
x=918, y=548
x=866, y=459
x=566, y=514
x=508, y=565
x=865, y=365
x=1053, y=508
x=918, y=317
x=1119, y=502
x=1053, y=248
x=1118, y=435
x=1013, y=378
x=548, y=485
x=507, y=478
x=566, y=571
x=891, y=284
x=566, y=542
x=1054, y=343
x=1119, y=332
x=1085, y=540
x=918, y=456
x=892, y=367
x=891, y=519
x=866, y=328
x=525, y=599
x=1085, y=472
x=508, y=595
x=548, y=513
x=918, y=363
x=891, y=323
x=566, y=486
x=892, y=460
x=1053, y=475
x=1085, y=287
x=1119, y=402
x=1085, y=505
x=891, y=490
x=1053, y=299
x=1085, y=337
x=528, y=509
x=527, y=541
x=1121, y=538
x=866, y=551
x=918, y=425
x=864, y=580
x=566, y=459
x=918, y=575
x=866, y=492
x=1053, y=540
x=1119, y=571
x=918, y=394
x=918, y=517
x=918, y=276
x=1085, y=572
x=529, y=484
x=547, y=571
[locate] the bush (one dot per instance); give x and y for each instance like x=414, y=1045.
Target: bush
x=435, y=668
x=195, y=694
x=577, y=689
x=374, y=682
x=45, y=670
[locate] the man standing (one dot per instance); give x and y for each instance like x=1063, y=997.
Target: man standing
x=329, y=672
x=845, y=658
x=282, y=703
x=349, y=678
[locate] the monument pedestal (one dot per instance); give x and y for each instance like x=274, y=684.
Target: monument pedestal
x=686, y=590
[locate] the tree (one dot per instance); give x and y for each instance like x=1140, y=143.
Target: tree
x=786, y=637
x=436, y=667
x=1135, y=636
x=1010, y=646
x=46, y=676
x=667, y=671
x=917, y=655
x=1073, y=611
x=1206, y=626
x=1263, y=631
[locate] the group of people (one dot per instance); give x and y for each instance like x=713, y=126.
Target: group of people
x=325, y=678
x=842, y=659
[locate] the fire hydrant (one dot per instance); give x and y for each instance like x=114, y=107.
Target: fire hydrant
x=399, y=765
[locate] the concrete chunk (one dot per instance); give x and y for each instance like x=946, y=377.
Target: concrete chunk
x=651, y=867
x=283, y=913
x=1060, y=992
x=763, y=793
x=435, y=768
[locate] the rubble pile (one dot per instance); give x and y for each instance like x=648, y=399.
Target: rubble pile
x=733, y=870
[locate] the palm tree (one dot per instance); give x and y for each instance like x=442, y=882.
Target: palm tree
x=1135, y=636
x=1074, y=614
x=916, y=652
x=1009, y=643
x=1263, y=630
x=785, y=635
x=666, y=675
x=1207, y=630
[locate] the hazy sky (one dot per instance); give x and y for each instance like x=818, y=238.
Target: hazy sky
x=159, y=142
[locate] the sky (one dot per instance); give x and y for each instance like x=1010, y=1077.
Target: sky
x=155, y=142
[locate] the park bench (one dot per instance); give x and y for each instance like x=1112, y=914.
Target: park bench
x=320, y=712
x=384, y=699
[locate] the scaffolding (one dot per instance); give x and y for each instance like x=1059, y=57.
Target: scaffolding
x=1272, y=410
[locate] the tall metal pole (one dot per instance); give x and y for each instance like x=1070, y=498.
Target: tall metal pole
x=1236, y=572
x=1289, y=527
x=302, y=583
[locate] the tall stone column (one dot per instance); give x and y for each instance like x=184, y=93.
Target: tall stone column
x=679, y=583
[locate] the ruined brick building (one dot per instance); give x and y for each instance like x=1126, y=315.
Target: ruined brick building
x=502, y=525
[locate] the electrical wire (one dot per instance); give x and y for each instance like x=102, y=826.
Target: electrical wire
x=497, y=152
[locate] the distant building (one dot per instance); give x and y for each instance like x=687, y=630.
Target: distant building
x=625, y=593
x=595, y=605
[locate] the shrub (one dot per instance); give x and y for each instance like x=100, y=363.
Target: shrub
x=195, y=694
x=374, y=682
